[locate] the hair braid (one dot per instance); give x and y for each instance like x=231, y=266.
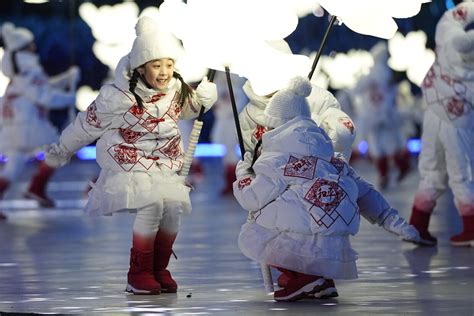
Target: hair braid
x=186, y=90
x=133, y=84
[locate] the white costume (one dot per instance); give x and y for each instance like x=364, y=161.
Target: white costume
x=380, y=121
x=302, y=200
x=30, y=94
x=447, y=155
x=139, y=151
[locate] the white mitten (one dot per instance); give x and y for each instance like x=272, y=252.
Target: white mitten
x=207, y=93
x=243, y=166
x=399, y=226
x=56, y=155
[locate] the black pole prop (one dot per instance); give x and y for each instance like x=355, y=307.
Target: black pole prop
x=323, y=42
x=236, y=113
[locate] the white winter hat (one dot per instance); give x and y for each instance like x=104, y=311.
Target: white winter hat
x=15, y=38
x=152, y=43
x=288, y=103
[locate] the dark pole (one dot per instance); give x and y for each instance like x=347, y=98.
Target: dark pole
x=236, y=113
x=323, y=42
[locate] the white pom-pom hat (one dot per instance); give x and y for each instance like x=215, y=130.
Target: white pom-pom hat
x=288, y=103
x=15, y=38
x=152, y=42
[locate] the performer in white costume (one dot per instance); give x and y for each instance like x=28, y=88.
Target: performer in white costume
x=447, y=155
x=379, y=118
x=140, y=152
x=24, y=122
x=302, y=200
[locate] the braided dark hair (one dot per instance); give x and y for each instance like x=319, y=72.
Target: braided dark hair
x=186, y=90
x=132, y=85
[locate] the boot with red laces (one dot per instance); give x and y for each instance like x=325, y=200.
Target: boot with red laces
x=37, y=189
x=162, y=252
x=466, y=238
x=420, y=220
x=140, y=274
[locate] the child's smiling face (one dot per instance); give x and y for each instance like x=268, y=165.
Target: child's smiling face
x=158, y=73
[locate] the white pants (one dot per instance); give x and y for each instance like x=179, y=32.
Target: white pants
x=154, y=217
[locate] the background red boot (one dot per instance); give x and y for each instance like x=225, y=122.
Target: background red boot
x=402, y=160
x=420, y=220
x=4, y=184
x=163, y=249
x=466, y=238
x=37, y=189
x=140, y=275
x=382, y=168
x=229, y=178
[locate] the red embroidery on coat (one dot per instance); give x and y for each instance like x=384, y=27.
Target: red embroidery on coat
x=259, y=131
x=175, y=108
x=347, y=123
x=301, y=168
x=338, y=163
x=156, y=97
x=460, y=14
x=125, y=155
x=7, y=109
x=172, y=148
x=151, y=123
x=325, y=194
x=91, y=116
x=136, y=111
x=429, y=78
x=130, y=136
x=245, y=182
x=455, y=106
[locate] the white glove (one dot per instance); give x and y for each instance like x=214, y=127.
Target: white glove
x=398, y=226
x=207, y=93
x=243, y=166
x=56, y=155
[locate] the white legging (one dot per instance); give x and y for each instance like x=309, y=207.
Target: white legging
x=154, y=217
x=15, y=164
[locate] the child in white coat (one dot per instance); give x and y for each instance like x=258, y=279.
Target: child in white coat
x=302, y=200
x=140, y=152
x=447, y=156
x=25, y=127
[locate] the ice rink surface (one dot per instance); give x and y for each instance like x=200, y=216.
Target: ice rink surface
x=59, y=261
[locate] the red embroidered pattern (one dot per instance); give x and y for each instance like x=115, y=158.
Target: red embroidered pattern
x=175, y=109
x=172, y=149
x=301, y=168
x=338, y=163
x=129, y=135
x=429, y=78
x=455, y=106
x=259, y=131
x=325, y=194
x=347, y=123
x=91, y=116
x=245, y=182
x=156, y=97
x=125, y=155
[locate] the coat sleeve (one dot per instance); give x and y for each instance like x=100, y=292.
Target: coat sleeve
x=91, y=124
x=253, y=191
x=372, y=205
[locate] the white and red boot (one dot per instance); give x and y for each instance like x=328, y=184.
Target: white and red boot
x=466, y=238
x=327, y=290
x=299, y=287
x=163, y=248
x=420, y=220
x=140, y=274
x=37, y=189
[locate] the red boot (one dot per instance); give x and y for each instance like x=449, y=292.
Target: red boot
x=4, y=184
x=300, y=287
x=285, y=276
x=466, y=238
x=229, y=180
x=420, y=220
x=140, y=275
x=163, y=249
x=382, y=167
x=402, y=160
x=37, y=189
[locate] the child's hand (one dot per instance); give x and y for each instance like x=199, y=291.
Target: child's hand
x=398, y=226
x=207, y=93
x=56, y=155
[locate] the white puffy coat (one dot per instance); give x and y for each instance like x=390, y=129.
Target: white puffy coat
x=302, y=201
x=325, y=111
x=24, y=123
x=140, y=151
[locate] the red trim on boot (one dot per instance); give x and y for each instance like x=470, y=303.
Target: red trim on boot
x=140, y=275
x=37, y=189
x=299, y=287
x=466, y=238
x=420, y=220
x=163, y=248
